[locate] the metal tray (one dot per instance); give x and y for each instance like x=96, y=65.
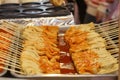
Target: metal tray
x=108, y=30
x=31, y=10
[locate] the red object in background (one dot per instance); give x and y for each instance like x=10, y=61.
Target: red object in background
x=97, y=1
x=110, y=1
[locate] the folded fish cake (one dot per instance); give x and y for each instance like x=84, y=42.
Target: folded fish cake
x=40, y=54
x=86, y=62
x=88, y=50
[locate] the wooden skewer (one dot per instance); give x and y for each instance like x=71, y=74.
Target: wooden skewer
x=107, y=25
x=11, y=49
x=6, y=29
x=7, y=56
x=110, y=46
x=15, y=53
x=115, y=24
x=9, y=63
x=110, y=31
x=109, y=42
x=10, y=40
x=11, y=52
x=114, y=51
x=101, y=29
x=11, y=28
x=10, y=55
x=12, y=25
x=19, y=72
x=8, y=45
x=12, y=33
x=107, y=22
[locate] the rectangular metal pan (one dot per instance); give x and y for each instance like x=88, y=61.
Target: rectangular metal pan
x=108, y=30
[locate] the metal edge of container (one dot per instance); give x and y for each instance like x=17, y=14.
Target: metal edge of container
x=61, y=75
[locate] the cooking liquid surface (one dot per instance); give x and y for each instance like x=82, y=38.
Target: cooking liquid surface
x=66, y=63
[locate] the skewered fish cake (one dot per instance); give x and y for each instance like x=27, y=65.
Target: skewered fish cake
x=30, y=62
x=88, y=50
x=49, y=66
x=40, y=48
x=85, y=62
